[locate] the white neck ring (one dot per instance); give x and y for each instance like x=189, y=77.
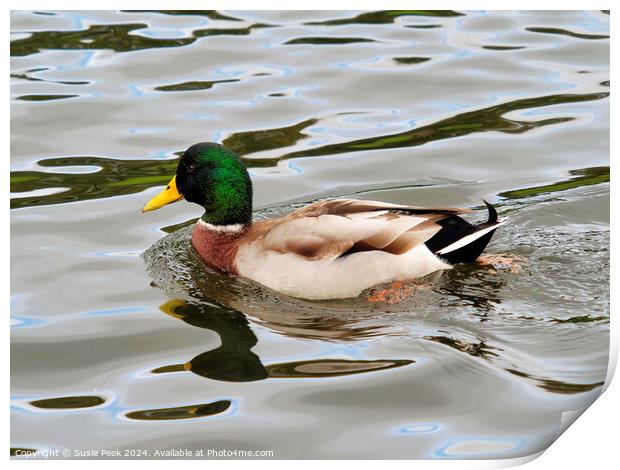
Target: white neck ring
x=230, y=228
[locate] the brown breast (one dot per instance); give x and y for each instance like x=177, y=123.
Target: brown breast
x=217, y=249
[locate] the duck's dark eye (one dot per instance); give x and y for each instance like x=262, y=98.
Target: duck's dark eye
x=190, y=168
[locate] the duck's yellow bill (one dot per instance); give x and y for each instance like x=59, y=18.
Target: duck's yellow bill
x=170, y=307
x=167, y=196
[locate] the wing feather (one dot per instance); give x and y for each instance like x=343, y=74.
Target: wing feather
x=328, y=229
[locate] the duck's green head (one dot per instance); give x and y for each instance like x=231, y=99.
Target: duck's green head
x=213, y=177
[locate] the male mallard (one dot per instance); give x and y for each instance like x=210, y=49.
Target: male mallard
x=329, y=249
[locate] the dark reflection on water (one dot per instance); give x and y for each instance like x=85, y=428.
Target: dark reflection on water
x=556, y=386
x=181, y=412
x=482, y=120
x=483, y=350
x=118, y=37
x=211, y=14
x=68, y=402
x=243, y=143
x=325, y=41
x=121, y=177
x=503, y=48
x=385, y=17
x=479, y=349
x=470, y=286
x=581, y=177
x=112, y=178
x=115, y=37
x=423, y=26
x=25, y=76
x=332, y=367
x=581, y=319
x=410, y=60
x=44, y=97
x=565, y=32
x=193, y=86
x=201, y=33
x=233, y=360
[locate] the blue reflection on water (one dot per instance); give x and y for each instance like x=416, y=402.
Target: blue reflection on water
x=79, y=21
x=511, y=445
x=291, y=164
x=147, y=130
x=25, y=322
x=134, y=89
x=115, y=311
x=419, y=428
x=199, y=116
x=31, y=322
x=352, y=350
x=84, y=61
x=359, y=64
x=593, y=22
x=160, y=33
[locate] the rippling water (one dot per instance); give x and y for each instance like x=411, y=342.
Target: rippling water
x=120, y=339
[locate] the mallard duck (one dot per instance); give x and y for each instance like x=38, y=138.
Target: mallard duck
x=330, y=249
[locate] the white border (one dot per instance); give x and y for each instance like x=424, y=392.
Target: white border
x=591, y=442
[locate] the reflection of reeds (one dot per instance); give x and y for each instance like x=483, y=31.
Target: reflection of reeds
x=116, y=37
x=566, y=32
x=410, y=60
x=211, y=14
x=326, y=41
x=483, y=350
x=557, y=386
x=384, y=17
x=44, y=97
x=582, y=177
x=122, y=177
x=193, y=86
x=62, y=403
x=481, y=120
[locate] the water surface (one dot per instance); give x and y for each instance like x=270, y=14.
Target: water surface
x=120, y=338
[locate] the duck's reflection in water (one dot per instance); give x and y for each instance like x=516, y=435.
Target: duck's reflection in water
x=233, y=360
x=448, y=309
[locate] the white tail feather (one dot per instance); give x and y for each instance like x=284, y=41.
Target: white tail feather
x=470, y=238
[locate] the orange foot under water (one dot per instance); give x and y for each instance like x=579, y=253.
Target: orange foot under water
x=395, y=293
x=509, y=261
x=399, y=291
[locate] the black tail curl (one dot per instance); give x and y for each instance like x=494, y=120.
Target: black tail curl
x=493, y=217
x=453, y=228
